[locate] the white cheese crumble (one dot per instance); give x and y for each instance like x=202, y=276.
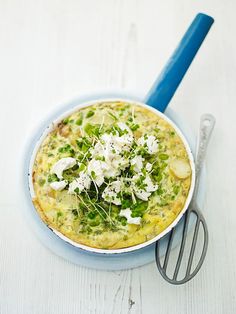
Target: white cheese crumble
x=148, y=166
x=137, y=162
x=97, y=150
x=63, y=164
x=150, y=142
x=81, y=183
x=96, y=169
x=115, y=144
x=143, y=193
x=111, y=191
x=110, y=149
x=127, y=214
x=58, y=185
x=110, y=144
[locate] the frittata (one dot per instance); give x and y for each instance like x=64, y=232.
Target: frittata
x=111, y=175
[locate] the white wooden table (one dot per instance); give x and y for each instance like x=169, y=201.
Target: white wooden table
x=53, y=50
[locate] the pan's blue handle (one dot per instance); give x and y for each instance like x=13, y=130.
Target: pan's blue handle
x=168, y=81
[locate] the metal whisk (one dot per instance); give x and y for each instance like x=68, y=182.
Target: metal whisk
x=206, y=126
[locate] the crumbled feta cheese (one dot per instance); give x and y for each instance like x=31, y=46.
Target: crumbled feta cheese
x=148, y=166
x=130, y=220
x=125, y=141
x=143, y=193
x=111, y=166
x=150, y=142
x=58, y=185
x=97, y=150
x=82, y=183
x=114, y=144
x=119, y=163
x=137, y=162
x=112, y=172
x=97, y=167
x=111, y=191
x=150, y=186
x=63, y=164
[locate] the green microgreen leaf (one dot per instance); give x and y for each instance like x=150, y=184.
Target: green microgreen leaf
x=92, y=129
x=66, y=149
x=113, y=116
x=52, y=177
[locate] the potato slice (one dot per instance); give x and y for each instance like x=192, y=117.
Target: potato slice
x=180, y=168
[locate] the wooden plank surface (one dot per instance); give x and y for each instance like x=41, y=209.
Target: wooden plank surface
x=52, y=51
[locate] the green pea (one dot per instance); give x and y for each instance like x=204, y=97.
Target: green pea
x=80, y=120
x=163, y=156
x=65, y=121
x=91, y=215
x=90, y=114
x=77, y=190
x=88, y=128
x=123, y=221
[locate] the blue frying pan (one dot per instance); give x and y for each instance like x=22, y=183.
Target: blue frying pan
x=168, y=81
